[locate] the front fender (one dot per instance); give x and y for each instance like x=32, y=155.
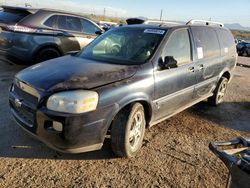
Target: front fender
x=134, y=97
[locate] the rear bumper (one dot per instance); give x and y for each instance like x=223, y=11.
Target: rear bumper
x=80, y=133
x=17, y=47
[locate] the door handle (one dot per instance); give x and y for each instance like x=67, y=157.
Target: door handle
x=191, y=69
x=200, y=67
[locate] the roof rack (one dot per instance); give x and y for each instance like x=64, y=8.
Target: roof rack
x=193, y=22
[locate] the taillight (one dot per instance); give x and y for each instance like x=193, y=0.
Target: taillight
x=21, y=28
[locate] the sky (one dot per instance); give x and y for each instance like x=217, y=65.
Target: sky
x=226, y=11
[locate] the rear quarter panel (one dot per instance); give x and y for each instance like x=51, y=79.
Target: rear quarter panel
x=26, y=45
x=228, y=51
x=6, y=39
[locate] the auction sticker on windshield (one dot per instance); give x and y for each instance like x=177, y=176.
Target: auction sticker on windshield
x=154, y=31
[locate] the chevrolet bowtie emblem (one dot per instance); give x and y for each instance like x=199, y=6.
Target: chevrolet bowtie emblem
x=18, y=103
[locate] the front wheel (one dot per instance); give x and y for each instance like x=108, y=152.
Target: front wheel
x=219, y=92
x=128, y=131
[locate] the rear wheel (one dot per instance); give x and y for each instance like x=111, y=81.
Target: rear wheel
x=219, y=92
x=46, y=54
x=244, y=53
x=128, y=131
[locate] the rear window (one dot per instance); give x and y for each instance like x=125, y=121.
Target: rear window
x=12, y=16
x=206, y=42
x=50, y=21
x=227, y=41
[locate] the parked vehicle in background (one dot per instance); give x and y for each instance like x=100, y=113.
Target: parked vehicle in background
x=105, y=25
x=128, y=79
x=239, y=41
x=30, y=36
x=243, y=49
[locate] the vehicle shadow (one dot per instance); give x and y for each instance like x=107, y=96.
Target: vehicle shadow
x=243, y=65
x=233, y=115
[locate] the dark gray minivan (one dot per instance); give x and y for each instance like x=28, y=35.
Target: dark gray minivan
x=29, y=36
x=128, y=79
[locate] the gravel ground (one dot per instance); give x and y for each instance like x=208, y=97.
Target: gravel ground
x=174, y=154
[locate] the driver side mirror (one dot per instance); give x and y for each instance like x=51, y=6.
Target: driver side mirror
x=169, y=62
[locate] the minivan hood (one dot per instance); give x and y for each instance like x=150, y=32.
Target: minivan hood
x=71, y=72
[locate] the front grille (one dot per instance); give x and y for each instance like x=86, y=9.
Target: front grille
x=25, y=111
x=24, y=114
x=24, y=95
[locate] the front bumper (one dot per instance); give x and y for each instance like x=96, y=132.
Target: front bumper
x=80, y=133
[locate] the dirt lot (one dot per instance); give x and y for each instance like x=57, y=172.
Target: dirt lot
x=175, y=152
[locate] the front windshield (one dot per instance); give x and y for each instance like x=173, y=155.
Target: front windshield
x=128, y=46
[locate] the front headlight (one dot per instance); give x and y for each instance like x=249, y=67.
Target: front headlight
x=78, y=101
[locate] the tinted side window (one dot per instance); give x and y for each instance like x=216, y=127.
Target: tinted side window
x=226, y=41
x=61, y=23
x=69, y=23
x=88, y=27
x=178, y=46
x=206, y=42
x=50, y=21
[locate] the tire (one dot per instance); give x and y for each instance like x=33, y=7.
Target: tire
x=244, y=52
x=219, y=92
x=127, y=131
x=239, y=52
x=46, y=54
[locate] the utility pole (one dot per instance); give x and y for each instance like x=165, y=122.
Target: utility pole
x=104, y=13
x=161, y=14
